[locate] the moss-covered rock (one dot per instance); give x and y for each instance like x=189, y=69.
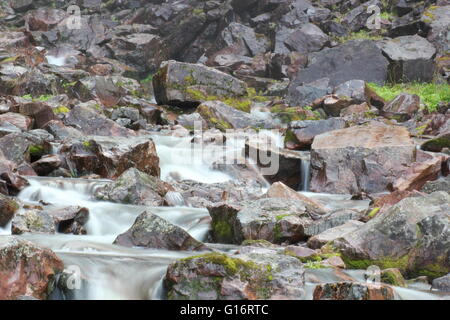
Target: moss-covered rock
x=7, y=209
x=413, y=236
x=256, y=273
x=394, y=277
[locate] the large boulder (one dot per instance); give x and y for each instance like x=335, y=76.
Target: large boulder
x=221, y=116
x=26, y=269
x=151, y=231
x=411, y=59
x=300, y=134
x=135, y=187
x=413, y=236
x=276, y=220
x=91, y=122
x=33, y=221
x=365, y=158
x=318, y=241
x=442, y=283
x=184, y=84
x=256, y=273
x=358, y=59
x=109, y=157
x=353, y=291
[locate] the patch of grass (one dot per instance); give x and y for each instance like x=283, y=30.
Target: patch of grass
x=362, y=34
x=430, y=94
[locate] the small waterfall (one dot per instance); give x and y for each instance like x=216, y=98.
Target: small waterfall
x=305, y=174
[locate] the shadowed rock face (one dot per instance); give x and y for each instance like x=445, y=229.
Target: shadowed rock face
x=26, y=269
x=364, y=158
x=151, y=231
x=413, y=235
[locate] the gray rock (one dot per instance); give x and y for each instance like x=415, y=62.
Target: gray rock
x=413, y=236
x=442, y=284
x=411, y=59
x=317, y=241
x=33, y=221
x=309, y=38
x=151, y=231
x=135, y=187
x=184, y=84
x=256, y=273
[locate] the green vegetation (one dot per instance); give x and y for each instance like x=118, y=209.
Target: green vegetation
x=41, y=98
x=61, y=109
x=362, y=34
x=430, y=94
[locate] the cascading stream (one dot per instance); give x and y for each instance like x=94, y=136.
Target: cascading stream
x=113, y=272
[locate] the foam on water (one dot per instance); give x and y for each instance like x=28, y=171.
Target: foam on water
x=57, y=61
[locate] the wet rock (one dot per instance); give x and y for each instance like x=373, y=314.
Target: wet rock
x=411, y=59
x=93, y=123
x=7, y=209
x=442, y=184
x=361, y=60
x=201, y=195
x=331, y=220
x=26, y=269
x=10, y=182
x=271, y=219
x=412, y=236
x=393, y=277
x=33, y=221
x=257, y=273
x=183, y=84
x=287, y=162
x=46, y=164
x=135, y=187
x=353, y=291
x=151, y=231
x=70, y=219
x=362, y=158
x=300, y=134
x=329, y=235
x=442, y=284
x=110, y=157
x=280, y=190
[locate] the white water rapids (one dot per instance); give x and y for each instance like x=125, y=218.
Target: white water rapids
x=114, y=272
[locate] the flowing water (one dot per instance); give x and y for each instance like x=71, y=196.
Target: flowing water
x=112, y=272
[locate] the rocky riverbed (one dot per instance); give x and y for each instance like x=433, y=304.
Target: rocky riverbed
x=224, y=149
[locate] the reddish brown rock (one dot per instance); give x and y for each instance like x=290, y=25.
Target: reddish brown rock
x=7, y=209
x=353, y=291
x=403, y=107
x=365, y=158
x=20, y=121
x=26, y=269
x=44, y=19
x=41, y=113
x=280, y=190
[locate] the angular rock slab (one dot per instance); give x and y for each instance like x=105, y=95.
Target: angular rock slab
x=353, y=291
x=26, y=269
x=185, y=84
x=151, y=231
x=363, y=158
x=273, y=219
x=413, y=236
x=256, y=273
x=411, y=59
